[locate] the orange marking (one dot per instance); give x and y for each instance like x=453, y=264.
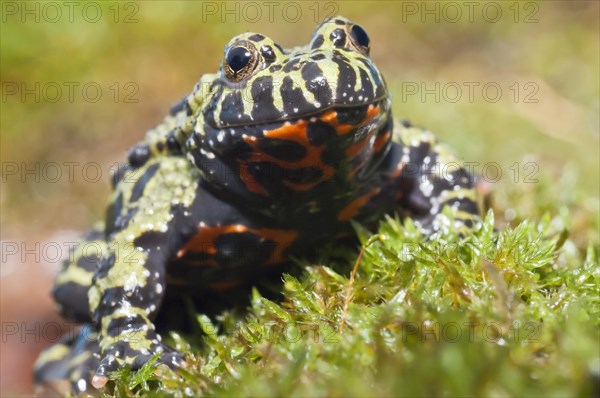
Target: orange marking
x=331, y=118
x=358, y=147
x=248, y=180
x=282, y=238
x=291, y=132
x=352, y=208
x=371, y=113
x=397, y=171
x=204, y=241
x=297, y=133
x=343, y=128
x=362, y=145
x=381, y=140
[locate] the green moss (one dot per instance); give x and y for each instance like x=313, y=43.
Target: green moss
x=511, y=312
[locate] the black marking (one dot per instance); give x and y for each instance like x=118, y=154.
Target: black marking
x=340, y=22
x=274, y=177
x=235, y=250
x=112, y=298
x=417, y=202
x=267, y=174
x=193, y=258
x=232, y=108
x=346, y=79
x=367, y=86
x=178, y=230
x=89, y=261
x=317, y=42
x=352, y=116
x=64, y=369
x=317, y=57
x=313, y=76
x=73, y=301
x=138, y=155
x=283, y=149
x=172, y=143
x=121, y=221
x=467, y=222
x=464, y=204
x=406, y=123
x=209, y=110
x=452, y=177
x=263, y=104
x=387, y=128
x=138, y=188
x=268, y=54
x=418, y=153
x=112, y=213
x=305, y=175
x=340, y=55
x=256, y=37
x=380, y=88
x=274, y=68
x=293, y=98
x=319, y=133
x=293, y=64
x=116, y=326
x=338, y=38
x=118, y=174
x=104, y=265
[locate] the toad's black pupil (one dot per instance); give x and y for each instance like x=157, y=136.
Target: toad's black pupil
x=360, y=36
x=237, y=58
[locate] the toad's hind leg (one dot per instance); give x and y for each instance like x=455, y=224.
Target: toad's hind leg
x=74, y=280
x=69, y=364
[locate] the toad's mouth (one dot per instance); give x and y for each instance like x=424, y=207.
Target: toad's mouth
x=343, y=119
x=257, y=105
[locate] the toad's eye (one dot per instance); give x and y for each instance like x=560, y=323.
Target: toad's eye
x=360, y=38
x=240, y=62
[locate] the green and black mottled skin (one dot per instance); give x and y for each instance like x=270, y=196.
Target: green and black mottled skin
x=266, y=160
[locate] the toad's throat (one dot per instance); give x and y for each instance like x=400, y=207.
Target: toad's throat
x=277, y=159
x=304, y=153
x=236, y=117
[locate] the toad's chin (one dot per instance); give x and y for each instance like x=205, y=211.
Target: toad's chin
x=335, y=126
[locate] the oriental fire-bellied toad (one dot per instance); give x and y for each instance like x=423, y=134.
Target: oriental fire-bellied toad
x=268, y=159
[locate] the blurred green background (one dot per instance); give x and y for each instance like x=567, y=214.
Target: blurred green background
x=539, y=59
x=512, y=86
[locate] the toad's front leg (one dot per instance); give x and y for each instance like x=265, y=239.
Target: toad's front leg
x=146, y=225
x=126, y=292
x=427, y=179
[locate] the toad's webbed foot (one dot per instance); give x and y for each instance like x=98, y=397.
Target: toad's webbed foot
x=134, y=348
